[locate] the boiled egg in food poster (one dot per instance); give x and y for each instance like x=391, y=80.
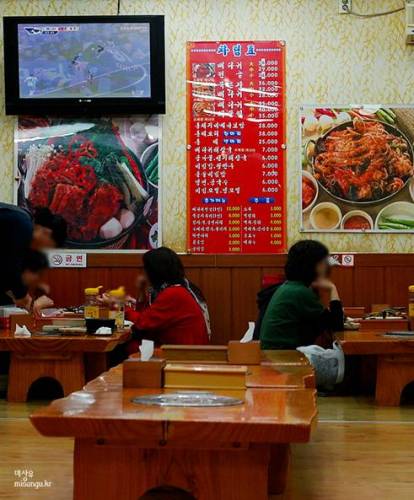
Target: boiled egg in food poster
x=100, y=174
x=357, y=168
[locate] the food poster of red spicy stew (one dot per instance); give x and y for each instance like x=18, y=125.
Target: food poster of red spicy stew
x=100, y=174
x=357, y=168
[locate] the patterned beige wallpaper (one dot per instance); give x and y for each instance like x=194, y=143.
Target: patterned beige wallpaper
x=330, y=59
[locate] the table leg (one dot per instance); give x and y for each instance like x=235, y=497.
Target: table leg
x=19, y=380
x=66, y=368
x=123, y=470
x=278, y=468
x=95, y=364
x=394, y=372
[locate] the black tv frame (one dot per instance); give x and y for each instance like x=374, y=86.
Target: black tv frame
x=95, y=106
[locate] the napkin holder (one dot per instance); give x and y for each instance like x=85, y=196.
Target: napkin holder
x=244, y=353
x=143, y=374
x=22, y=320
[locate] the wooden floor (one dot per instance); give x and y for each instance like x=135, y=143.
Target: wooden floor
x=358, y=451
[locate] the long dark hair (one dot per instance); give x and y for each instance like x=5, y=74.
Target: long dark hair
x=163, y=266
x=302, y=259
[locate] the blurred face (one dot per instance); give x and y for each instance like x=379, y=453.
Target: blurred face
x=322, y=269
x=42, y=238
x=142, y=280
x=32, y=279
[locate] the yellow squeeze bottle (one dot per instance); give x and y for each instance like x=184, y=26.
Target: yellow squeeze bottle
x=92, y=305
x=117, y=306
x=411, y=306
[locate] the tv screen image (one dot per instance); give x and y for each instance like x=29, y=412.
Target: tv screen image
x=84, y=60
x=84, y=65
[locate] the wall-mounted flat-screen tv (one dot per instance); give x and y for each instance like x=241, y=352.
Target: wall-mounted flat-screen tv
x=84, y=65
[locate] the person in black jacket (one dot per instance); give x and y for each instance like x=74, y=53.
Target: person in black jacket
x=295, y=315
x=262, y=300
x=20, y=232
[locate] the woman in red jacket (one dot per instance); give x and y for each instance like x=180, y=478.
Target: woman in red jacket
x=171, y=311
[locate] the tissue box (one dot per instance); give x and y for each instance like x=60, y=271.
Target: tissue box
x=139, y=374
x=5, y=314
x=93, y=324
x=248, y=353
x=22, y=320
x=185, y=376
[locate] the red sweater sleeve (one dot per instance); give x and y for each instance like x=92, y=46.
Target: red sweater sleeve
x=155, y=316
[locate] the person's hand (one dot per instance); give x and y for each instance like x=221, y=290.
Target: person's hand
x=105, y=299
x=42, y=302
x=323, y=284
x=130, y=301
x=44, y=287
x=24, y=303
x=41, y=289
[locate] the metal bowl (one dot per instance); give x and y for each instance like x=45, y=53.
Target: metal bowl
x=190, y=398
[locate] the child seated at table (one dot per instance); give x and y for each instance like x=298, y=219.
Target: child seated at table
x=35, y=265
x=295, y=315
x=169, y=309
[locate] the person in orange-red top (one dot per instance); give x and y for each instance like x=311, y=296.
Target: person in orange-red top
x=169, y=309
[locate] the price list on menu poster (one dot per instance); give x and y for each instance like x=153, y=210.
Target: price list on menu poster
x=236, y=147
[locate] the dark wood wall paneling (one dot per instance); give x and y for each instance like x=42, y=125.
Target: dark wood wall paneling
x=230, y=283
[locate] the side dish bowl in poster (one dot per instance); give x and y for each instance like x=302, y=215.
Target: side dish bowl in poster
x=357, y=220
x=310, y=191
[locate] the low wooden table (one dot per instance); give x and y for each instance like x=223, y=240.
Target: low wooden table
x=123, y=449
x=395, y=361
x=286, y=377
x=383, y=325
x=69, y=360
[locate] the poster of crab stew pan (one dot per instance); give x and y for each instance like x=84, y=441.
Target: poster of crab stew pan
x=357, y=168
x=100, y=174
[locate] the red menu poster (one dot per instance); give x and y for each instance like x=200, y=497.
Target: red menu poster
x=236, y=147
